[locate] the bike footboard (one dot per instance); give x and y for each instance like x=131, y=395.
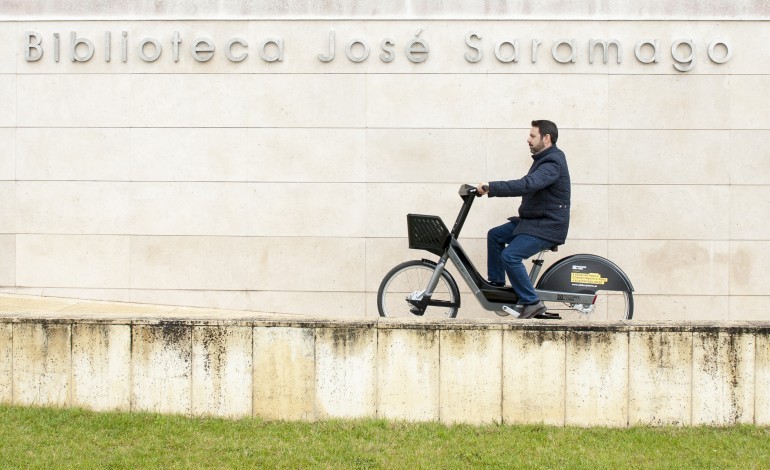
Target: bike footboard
x=584, y=273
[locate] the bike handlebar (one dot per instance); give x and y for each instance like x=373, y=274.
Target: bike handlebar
x=469, y=190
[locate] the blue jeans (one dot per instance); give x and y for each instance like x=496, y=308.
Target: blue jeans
x=502, y=259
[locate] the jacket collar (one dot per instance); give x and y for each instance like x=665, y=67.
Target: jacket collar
x=544, y=152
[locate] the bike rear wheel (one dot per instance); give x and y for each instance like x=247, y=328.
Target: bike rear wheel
x=609, y=306
x=411, y=278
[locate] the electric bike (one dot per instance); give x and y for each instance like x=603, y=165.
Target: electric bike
x=578, y=286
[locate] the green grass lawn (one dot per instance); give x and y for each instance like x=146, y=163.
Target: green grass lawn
x=55, y=438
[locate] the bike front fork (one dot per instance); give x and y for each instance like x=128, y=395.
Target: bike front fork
x=419, y=299
x=433, y=282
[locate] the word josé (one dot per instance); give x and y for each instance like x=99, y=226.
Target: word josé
x=415, y=49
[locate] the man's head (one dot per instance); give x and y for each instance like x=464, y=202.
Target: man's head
x=542, y=135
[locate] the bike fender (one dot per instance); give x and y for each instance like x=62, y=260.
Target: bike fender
x=584, y=273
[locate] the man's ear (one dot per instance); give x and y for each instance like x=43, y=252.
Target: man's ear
x=547, y=139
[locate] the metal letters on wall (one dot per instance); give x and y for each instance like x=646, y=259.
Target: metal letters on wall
x=358, y=49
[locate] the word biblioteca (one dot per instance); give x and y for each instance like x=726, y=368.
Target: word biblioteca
x=416, y=49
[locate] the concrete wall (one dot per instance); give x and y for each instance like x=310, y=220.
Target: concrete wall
x=461, y=372
x=282, y=186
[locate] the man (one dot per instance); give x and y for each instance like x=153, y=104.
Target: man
x=543, y=218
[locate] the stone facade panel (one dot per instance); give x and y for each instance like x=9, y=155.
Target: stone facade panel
x=284, y=373
x=345, y=377
x=408, y=368
x=101, y=366
x=222, y=371
x=723, y=391
x=161, y=358
x=534, y=377
x=471, y=376
x=42, y=362
x=597, y=378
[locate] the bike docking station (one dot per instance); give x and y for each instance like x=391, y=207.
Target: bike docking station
x=575, y=286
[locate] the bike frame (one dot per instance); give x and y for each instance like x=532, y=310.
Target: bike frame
x=490, y=297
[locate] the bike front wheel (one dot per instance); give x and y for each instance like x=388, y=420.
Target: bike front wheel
x=409, y=279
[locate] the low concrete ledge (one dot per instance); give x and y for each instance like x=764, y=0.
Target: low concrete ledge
x=469, y=371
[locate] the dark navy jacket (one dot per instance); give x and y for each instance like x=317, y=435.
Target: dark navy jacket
x=545, y=196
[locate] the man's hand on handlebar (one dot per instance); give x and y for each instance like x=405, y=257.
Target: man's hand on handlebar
x=483, y=188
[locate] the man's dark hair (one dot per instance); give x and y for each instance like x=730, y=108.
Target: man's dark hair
x=547, y=127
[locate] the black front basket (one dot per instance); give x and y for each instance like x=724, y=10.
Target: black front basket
x=427, y=232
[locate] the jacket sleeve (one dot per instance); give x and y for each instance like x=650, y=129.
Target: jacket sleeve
x=544, y=175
